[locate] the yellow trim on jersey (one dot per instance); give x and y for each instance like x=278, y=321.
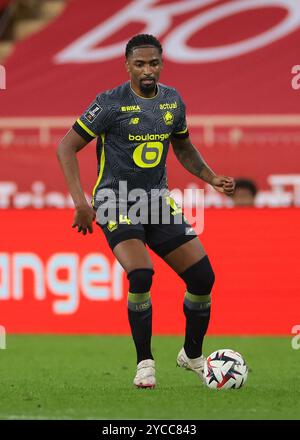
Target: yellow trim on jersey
x=86, y=128
x=143, y=97
x=102, y=163
x=181, y=132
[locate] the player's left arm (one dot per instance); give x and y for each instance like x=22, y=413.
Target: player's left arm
x=192, y=161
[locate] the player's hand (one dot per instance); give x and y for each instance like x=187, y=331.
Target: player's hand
x=224, y=184
x=83, y=219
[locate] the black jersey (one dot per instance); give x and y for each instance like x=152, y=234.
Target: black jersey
x=133, y=137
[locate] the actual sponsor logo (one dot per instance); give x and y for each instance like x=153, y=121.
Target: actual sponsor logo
x=93, y=112
x=168, y=105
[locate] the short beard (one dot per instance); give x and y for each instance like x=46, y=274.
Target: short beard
x=148, y=90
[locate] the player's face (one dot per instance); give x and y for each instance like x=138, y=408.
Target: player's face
x=144, y=66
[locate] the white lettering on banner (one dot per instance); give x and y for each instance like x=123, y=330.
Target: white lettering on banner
x=67, y=287
x=7, y=189
x=4, y=277
x=95, y=277
x=95, y=269
x=177, y=49
x=296, y=78
x=32, y=262
x=38, y=198
x=296, y=339
x=158, y=20
x=117, y=281
x=2, y=78
x=277, y=197
x=280, y=181
x=2, y=338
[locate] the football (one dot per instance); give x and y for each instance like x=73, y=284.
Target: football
x=224, y=369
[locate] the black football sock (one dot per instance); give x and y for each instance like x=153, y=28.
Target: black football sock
x=197, y=312
x=140, y=320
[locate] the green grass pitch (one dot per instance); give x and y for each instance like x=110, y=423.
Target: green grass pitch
x=90, y=377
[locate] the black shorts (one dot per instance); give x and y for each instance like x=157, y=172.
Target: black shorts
x=162, y=235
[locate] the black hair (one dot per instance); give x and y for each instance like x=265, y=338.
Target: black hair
x=142, y=40
x=244, y=183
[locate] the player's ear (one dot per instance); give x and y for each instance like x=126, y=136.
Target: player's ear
x=127, y=66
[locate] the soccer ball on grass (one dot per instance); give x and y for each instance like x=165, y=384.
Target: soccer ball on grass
x=225, y=369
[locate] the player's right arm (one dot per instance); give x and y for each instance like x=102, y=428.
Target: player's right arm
x=69, y=146
x=97, y=118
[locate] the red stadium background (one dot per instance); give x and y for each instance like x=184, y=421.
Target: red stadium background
x=54, y=280
x=236, y=65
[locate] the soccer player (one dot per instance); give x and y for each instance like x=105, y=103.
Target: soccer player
x=134, y=124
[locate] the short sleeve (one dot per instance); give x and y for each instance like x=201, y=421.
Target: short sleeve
x=180, y=129
x=96, y=119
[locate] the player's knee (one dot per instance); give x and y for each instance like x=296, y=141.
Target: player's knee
x=140, y=280
x=199, y=277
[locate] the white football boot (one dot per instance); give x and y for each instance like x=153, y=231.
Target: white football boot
x=145, y=374
x=196, y=365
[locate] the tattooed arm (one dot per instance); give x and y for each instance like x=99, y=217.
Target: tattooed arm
x=192, y=161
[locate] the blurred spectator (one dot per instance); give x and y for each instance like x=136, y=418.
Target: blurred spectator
x=12, y=11
x=245, y=192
